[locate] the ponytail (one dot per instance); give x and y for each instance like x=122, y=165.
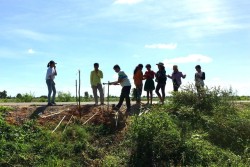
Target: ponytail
x=48, y=64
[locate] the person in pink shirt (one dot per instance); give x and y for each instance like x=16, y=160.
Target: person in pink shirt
x=176, y=78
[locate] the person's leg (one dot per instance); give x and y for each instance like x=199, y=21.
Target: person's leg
x=163, y=92
x=138, y=91
x=151, y=96
x=157, y=91
x=99, y=87
x=127, y=93
x=54, y=91
x=94, y=88
x=148, y=96
x=49, y=85
x=122, y=96
x=175, y=87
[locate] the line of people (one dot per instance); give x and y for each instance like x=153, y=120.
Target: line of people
x=149, y=76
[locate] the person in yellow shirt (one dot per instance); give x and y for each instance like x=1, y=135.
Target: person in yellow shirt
x=95, y=80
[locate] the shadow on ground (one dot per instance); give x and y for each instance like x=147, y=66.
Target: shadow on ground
x=38, y=110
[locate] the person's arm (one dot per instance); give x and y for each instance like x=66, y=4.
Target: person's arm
x=169, y=76
x=114, y=83
x=203, y=76
x=183, y=76
x=100, y=74
x=55, y=72
x=91, y=78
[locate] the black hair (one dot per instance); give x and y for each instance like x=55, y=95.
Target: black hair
x=116, y=66
x=148, y=65
x=198, y=66
x=50, y=62
x=137, y=67
x=96, y=64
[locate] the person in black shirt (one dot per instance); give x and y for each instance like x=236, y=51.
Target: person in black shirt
x=161, y=82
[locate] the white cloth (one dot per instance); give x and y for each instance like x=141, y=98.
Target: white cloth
x=198, y=79
x=51, y=73
x=124, y=78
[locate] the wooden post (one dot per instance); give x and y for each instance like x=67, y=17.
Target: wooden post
x=79, y=94
x=76, y=93
x=108, y=95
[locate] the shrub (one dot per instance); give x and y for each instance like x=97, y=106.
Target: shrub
x=111, y=161
x=64, y=97
x=154, y=138
x=25, y=98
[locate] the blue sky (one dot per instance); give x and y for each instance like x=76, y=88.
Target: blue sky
x=78, y=33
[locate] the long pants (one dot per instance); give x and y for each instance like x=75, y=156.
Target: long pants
x=51, y=88
x=162, y=87
x=99, y=88
x=138, y=93
x=125, y=95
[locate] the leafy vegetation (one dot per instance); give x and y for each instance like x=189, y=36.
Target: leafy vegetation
x=207, y=129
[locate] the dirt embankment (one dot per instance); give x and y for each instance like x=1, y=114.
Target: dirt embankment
x=52, y=115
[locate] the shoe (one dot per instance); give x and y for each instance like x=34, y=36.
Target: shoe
x=53, y=103
x=128, y=113
x=49, y=104
x=102, y=104
x=115, y=108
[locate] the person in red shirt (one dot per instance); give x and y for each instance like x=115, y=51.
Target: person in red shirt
x=149, y=83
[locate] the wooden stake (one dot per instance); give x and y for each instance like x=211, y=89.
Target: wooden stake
x=51, y=114
x=79, y=92
x=68, y=122
x=76, y=93
x=59, y=124
x=89, y=118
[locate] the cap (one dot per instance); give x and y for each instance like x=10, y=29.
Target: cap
x=52, y=62
x=160, y=64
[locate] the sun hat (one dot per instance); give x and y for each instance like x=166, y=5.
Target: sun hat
x=52, y=62
x=160, y=64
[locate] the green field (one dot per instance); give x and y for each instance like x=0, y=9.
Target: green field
x=209, y=129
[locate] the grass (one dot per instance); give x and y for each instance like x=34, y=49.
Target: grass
x=190, y=130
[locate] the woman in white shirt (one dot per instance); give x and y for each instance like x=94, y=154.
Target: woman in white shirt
x=50, y=76
x=199, y=78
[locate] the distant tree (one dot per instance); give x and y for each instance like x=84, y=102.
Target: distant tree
x=3, y=94
x=44, y=96
x=19, y=96
x=86, y=95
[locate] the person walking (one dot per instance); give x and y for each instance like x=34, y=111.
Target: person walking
x=138, y=78
x=50, y=76
x=149, y=83
x=199, y=78
x=176, y=78
x=126, y=86
x=95, y=80
x=161, y=81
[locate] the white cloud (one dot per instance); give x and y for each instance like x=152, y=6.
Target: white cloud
x=37, y=36
x=127, y=1
x=170, y=46
x=194, y=58
x=31, y=51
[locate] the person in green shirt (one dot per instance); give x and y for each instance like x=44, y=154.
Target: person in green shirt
x=95, y=81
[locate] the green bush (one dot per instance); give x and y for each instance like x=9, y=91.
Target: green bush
x=64, y=97
x=155, y=139
x=199, y=152
x=111, y=161
x=25, y=98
